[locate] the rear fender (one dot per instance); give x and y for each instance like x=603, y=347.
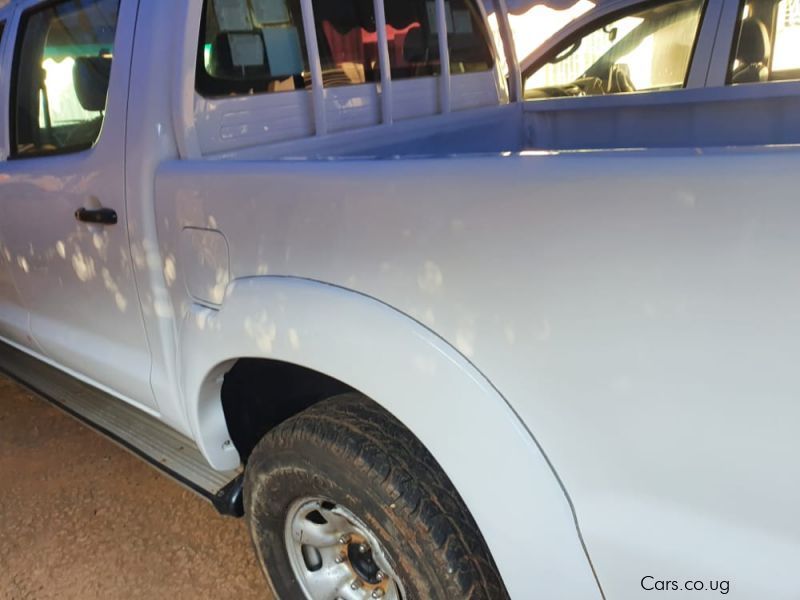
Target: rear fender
x=489, y=455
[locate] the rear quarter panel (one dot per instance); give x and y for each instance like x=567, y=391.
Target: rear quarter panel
x=639, y=310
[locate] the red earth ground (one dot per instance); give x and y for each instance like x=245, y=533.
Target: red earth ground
x=81, y=518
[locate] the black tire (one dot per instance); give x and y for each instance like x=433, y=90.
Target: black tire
x=350, y=451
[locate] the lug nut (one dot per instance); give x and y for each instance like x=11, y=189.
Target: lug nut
x=345, y=539
x=355, y=585
x=377, y=594
x=363, y=548
x=380, y=576
x=339, y=559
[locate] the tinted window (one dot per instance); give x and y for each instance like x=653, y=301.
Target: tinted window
x=258, y=46
x=347, y=50
x=415, y=50
x=252, y=46
x=767, y=42
x=644, y=50
x=348, y=41
x=61, y=75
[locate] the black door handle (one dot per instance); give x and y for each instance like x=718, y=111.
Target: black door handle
x=100, y=216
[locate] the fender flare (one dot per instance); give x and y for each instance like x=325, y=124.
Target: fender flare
x=489, y=455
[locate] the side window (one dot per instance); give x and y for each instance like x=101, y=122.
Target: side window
x=348, y=42
x=347, y=50
x=258, y=46
x=252, y=46
x=61, y=74
x=414, y=38
x=767, y=42
x=644, y=50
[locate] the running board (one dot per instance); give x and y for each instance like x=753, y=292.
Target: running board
x=170, y=452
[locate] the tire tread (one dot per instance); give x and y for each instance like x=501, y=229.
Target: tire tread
x=395, y=460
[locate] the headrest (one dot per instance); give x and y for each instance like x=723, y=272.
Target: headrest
x=754, y=45
x=90, y=76
x=240, y=55
x=232, y=15
x=284, y=54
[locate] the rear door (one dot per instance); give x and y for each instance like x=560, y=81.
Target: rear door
x=62, y=198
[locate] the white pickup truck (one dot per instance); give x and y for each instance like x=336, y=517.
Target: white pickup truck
x=438, y=322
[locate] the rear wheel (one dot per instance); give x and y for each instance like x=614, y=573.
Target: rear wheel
x=342, y=501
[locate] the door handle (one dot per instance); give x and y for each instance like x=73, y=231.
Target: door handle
x=100, y=216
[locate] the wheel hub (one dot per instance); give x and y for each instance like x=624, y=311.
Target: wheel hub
x=360, y=556
x=335, y=556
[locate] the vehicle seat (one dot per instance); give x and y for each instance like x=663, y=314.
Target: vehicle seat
x=239, y=55
x=752, y=54
x=90, y=76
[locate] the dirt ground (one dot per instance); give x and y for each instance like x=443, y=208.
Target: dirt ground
x=82, y=518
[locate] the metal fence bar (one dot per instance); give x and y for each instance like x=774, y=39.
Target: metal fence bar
x=387, y=98
x=444, y=56
x=315, y=64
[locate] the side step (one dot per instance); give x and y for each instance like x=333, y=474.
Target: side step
x=143, y=435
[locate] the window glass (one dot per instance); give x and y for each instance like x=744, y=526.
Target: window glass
x=786, y=52
x=767, y=42
x=252, y=46
x=62, y=70
x=414, y=38
x=645, y=50
x=258, y=46
x=348, y=42
x=347, y=50
x=532, y=24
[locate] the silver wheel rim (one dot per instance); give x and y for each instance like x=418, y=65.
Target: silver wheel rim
x=335, y=556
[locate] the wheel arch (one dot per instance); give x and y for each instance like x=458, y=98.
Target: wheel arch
x=478, y=440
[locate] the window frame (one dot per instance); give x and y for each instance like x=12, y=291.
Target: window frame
x=241, y=124
x=734, y=47
x=202, y=79
x=8, y=14
x=20, y=21
x=592, y=21
x=204, y=83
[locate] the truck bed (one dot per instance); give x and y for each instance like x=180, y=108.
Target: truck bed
x=665, y=278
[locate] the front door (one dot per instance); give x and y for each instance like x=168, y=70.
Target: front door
x=62, y=191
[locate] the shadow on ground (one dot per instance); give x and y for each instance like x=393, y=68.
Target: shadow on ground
x=81, y=518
